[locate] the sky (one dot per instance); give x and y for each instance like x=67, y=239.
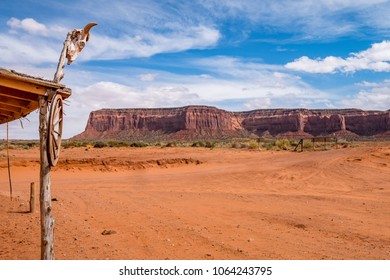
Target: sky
x=235, y=55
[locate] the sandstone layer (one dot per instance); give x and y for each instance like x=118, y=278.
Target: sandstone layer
x=205, y=122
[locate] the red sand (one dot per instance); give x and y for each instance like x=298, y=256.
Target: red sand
x=197, y=203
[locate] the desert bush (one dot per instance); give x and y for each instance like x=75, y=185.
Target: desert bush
x=29, y=145
x=307, y=144
x=282, y=144
x=236, y=145
x=269, y=145
x=73, y=144
x=253, y=145
x=209, y=144
x=139, y=144
x=117, y=144
x=198, y=144
x=100, y=144
x=244, y=145
x=171, y=144
x=293, y=143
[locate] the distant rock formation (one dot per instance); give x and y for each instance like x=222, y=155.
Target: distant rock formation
x=205, y=122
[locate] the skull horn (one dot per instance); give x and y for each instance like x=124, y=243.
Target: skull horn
x=87, y=28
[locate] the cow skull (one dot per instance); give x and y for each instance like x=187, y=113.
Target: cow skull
x=73, y=45
x=78, y=40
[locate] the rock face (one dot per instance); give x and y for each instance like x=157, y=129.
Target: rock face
x=204, y=122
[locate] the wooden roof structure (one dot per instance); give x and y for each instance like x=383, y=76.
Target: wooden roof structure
x=19, y=94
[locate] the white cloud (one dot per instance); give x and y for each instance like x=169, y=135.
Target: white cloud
x=147, y=77
x=375, y=96
x=375, y=99
x=113, y=95
x=29, y=43
x=35, y=28
x=26, y=51
x=38, y=42
x=148, y=43
x=376, y=59
x=29, y=25
x=258, y=103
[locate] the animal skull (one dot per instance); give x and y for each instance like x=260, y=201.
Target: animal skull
x=78, y=39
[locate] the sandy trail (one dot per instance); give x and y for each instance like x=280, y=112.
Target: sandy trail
x=197, y=203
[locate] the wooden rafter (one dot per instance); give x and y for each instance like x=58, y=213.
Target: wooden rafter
x=20, y=93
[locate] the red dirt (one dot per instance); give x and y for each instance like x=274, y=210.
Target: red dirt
x=197, y=203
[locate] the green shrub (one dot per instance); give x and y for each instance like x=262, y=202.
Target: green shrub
x=171, y=144
x=100, y=145
x=138, y=144
x=117, y=144
x=293, y=143
x=73, y=144
x=210, y=145
x=269, y=145
x=307, y=144
x=198, y=144
x=282, y=144
x=236, y=145
x=253, y=145
x=32, y=144
x=244, y=146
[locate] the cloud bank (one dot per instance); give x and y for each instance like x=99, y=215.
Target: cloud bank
x=376, y=59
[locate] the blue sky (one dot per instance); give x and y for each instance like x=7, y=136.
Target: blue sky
x=236, y=55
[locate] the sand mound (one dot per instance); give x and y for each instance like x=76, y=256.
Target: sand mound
x=113, y=164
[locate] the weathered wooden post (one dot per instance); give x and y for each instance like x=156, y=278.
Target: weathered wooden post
x=9, y=167
x=50, y=133
x=47, y=220
x=33, y=200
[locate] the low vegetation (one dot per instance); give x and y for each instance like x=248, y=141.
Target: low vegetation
x=251, y=144
x=242, y=143
x=18, y=144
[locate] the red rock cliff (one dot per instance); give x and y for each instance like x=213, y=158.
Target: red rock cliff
x=194, y=122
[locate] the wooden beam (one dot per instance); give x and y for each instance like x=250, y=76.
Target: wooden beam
x=10, y=108
x=47, y=220
x=18, y=94
x=24, y=86
x=7, y=100
x=6, y=114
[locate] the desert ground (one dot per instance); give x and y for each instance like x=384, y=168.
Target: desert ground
x=200, y=203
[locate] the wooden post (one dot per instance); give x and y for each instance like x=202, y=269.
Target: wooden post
x=47, y=221
x=9, y=167
x=33, y=201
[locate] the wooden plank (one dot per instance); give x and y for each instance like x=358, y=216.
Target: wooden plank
x=18, y=94
x=5, y=112
x=24, y=86
x=10, y=108
x=24, y=78
x=19, y=108
x=7, y=100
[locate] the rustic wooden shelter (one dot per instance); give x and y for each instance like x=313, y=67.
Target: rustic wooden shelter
x=20, y=94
